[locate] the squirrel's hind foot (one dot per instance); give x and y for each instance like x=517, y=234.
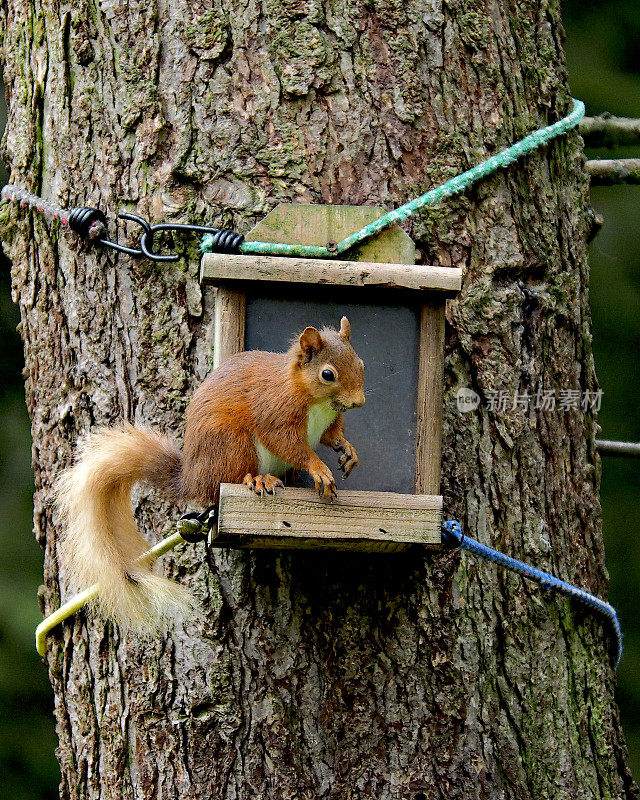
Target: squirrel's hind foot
x=262, y=484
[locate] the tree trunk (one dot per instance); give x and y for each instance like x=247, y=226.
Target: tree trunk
x=320, y=675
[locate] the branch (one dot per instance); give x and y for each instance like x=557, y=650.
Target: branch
x=612, y=171
x=606, y=131
x=610, y=448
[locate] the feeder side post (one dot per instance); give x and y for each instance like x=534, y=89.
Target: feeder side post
x=430, y=396
x=228, y=337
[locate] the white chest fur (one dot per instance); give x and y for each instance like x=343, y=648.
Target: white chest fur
x=321, y=415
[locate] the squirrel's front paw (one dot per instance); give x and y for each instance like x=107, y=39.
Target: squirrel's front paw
x=323, y=479
x=262, y=484
x=349, y=458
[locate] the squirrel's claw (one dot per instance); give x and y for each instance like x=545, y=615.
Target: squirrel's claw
x=327, y=490
x=349, y=458
x=262, y=484
x=324, y=482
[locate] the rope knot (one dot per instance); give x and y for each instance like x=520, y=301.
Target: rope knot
x=452, y=532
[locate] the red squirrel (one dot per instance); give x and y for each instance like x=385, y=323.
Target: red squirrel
x=257, y=415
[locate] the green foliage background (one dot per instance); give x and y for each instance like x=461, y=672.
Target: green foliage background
x=28, y=768
x=603, y=49
x=603, y=52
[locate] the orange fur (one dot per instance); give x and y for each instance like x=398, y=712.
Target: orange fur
x=253, y=399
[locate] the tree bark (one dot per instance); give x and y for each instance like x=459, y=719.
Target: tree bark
x=320, y=675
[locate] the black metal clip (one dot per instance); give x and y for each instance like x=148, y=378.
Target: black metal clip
x=91, y=224
x=194, y=526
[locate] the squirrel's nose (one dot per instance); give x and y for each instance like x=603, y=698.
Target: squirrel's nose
x=358, y=400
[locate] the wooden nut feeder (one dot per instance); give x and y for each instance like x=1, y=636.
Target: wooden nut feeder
x=397, y=312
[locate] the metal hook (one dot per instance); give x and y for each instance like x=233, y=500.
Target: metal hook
x=226, y=241
x=90, y=223
x=131, y=218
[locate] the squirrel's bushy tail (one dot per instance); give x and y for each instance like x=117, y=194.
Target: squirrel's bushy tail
x=101, y=542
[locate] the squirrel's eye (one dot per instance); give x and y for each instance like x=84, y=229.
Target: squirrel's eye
x=328, y=375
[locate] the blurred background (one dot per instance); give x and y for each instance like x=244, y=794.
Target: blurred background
x=603, y=55
x=603, y=51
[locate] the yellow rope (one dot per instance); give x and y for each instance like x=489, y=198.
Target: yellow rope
x=81, y=599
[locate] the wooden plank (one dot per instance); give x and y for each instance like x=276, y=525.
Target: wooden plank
x=228, y=335
x=300, y=223
x=298, y=518
x=222, y=267
x=430, y=390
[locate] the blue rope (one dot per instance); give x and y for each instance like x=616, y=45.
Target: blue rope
x=452, y=534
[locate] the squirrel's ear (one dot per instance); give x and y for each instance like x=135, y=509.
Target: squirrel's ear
x=310, y=342
x=345, y=328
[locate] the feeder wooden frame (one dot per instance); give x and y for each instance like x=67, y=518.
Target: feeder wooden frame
x=386, y=263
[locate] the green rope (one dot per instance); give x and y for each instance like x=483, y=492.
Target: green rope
x=458, y=184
